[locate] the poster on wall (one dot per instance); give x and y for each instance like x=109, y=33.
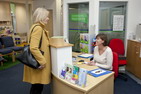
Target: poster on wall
x=118, y=22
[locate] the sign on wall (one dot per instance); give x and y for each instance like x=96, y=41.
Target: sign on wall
x=118, y=23
x=79, y=18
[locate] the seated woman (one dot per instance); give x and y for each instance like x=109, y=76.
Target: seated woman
x=103, y=56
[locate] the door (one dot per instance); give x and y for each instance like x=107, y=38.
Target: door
x=76, y=21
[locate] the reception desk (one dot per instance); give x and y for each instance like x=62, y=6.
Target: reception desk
x=95, y=85
x=61, y=53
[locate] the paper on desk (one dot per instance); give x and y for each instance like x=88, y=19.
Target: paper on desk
x=98, y=71
x=86, y=62
x=79, y=62
x=86, y=55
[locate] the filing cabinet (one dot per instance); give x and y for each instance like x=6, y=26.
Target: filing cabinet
x=134, y=58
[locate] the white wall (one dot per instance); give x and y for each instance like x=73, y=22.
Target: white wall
x=21, y=18
x=48, y=4
x=58, y=18
x=133, y=16
x=5, y=11
x=55, y=5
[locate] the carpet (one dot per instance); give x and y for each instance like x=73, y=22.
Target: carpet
x=11, y=82
x=126, y=87
x=8, y=63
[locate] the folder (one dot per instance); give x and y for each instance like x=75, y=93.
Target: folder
x=99, y=72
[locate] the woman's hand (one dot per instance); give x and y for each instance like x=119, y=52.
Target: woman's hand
x=91, y=63
x=41, y=67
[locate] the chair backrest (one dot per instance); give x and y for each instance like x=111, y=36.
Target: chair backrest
x=115, y=64
x=0, y=45
x=7, y=41
x=117, y=46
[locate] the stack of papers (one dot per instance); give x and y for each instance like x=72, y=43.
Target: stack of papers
x=86, y=55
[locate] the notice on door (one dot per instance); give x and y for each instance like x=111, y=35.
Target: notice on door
x=79, y=17
x=118, y=22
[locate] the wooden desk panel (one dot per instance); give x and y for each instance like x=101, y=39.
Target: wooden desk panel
x=60, y=86
x=133, y=58
x=95, y=85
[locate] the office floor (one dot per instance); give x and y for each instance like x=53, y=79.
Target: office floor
x=133, y=77
x=11, y=83
x=126, y=87
x=122, y=69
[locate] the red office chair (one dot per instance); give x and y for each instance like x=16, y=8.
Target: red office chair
x=117, y=46
x=115, y=64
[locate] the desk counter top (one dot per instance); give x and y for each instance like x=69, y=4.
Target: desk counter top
x=59, y=43
x=92, y=82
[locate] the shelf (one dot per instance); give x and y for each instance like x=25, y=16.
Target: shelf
x=5, y=23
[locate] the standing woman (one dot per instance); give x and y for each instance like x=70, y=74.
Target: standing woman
x=103, y=56
x=38, y=77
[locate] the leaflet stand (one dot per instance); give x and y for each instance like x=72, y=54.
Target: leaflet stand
x=61, y=53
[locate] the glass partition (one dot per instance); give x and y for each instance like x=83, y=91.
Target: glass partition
x=112, y=20
x=78, y=23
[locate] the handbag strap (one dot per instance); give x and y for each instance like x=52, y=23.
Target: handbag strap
x=41, y=36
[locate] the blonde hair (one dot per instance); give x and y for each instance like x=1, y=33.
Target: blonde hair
x=40, y=14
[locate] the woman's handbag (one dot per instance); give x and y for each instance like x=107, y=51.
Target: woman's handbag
x=26, y=56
